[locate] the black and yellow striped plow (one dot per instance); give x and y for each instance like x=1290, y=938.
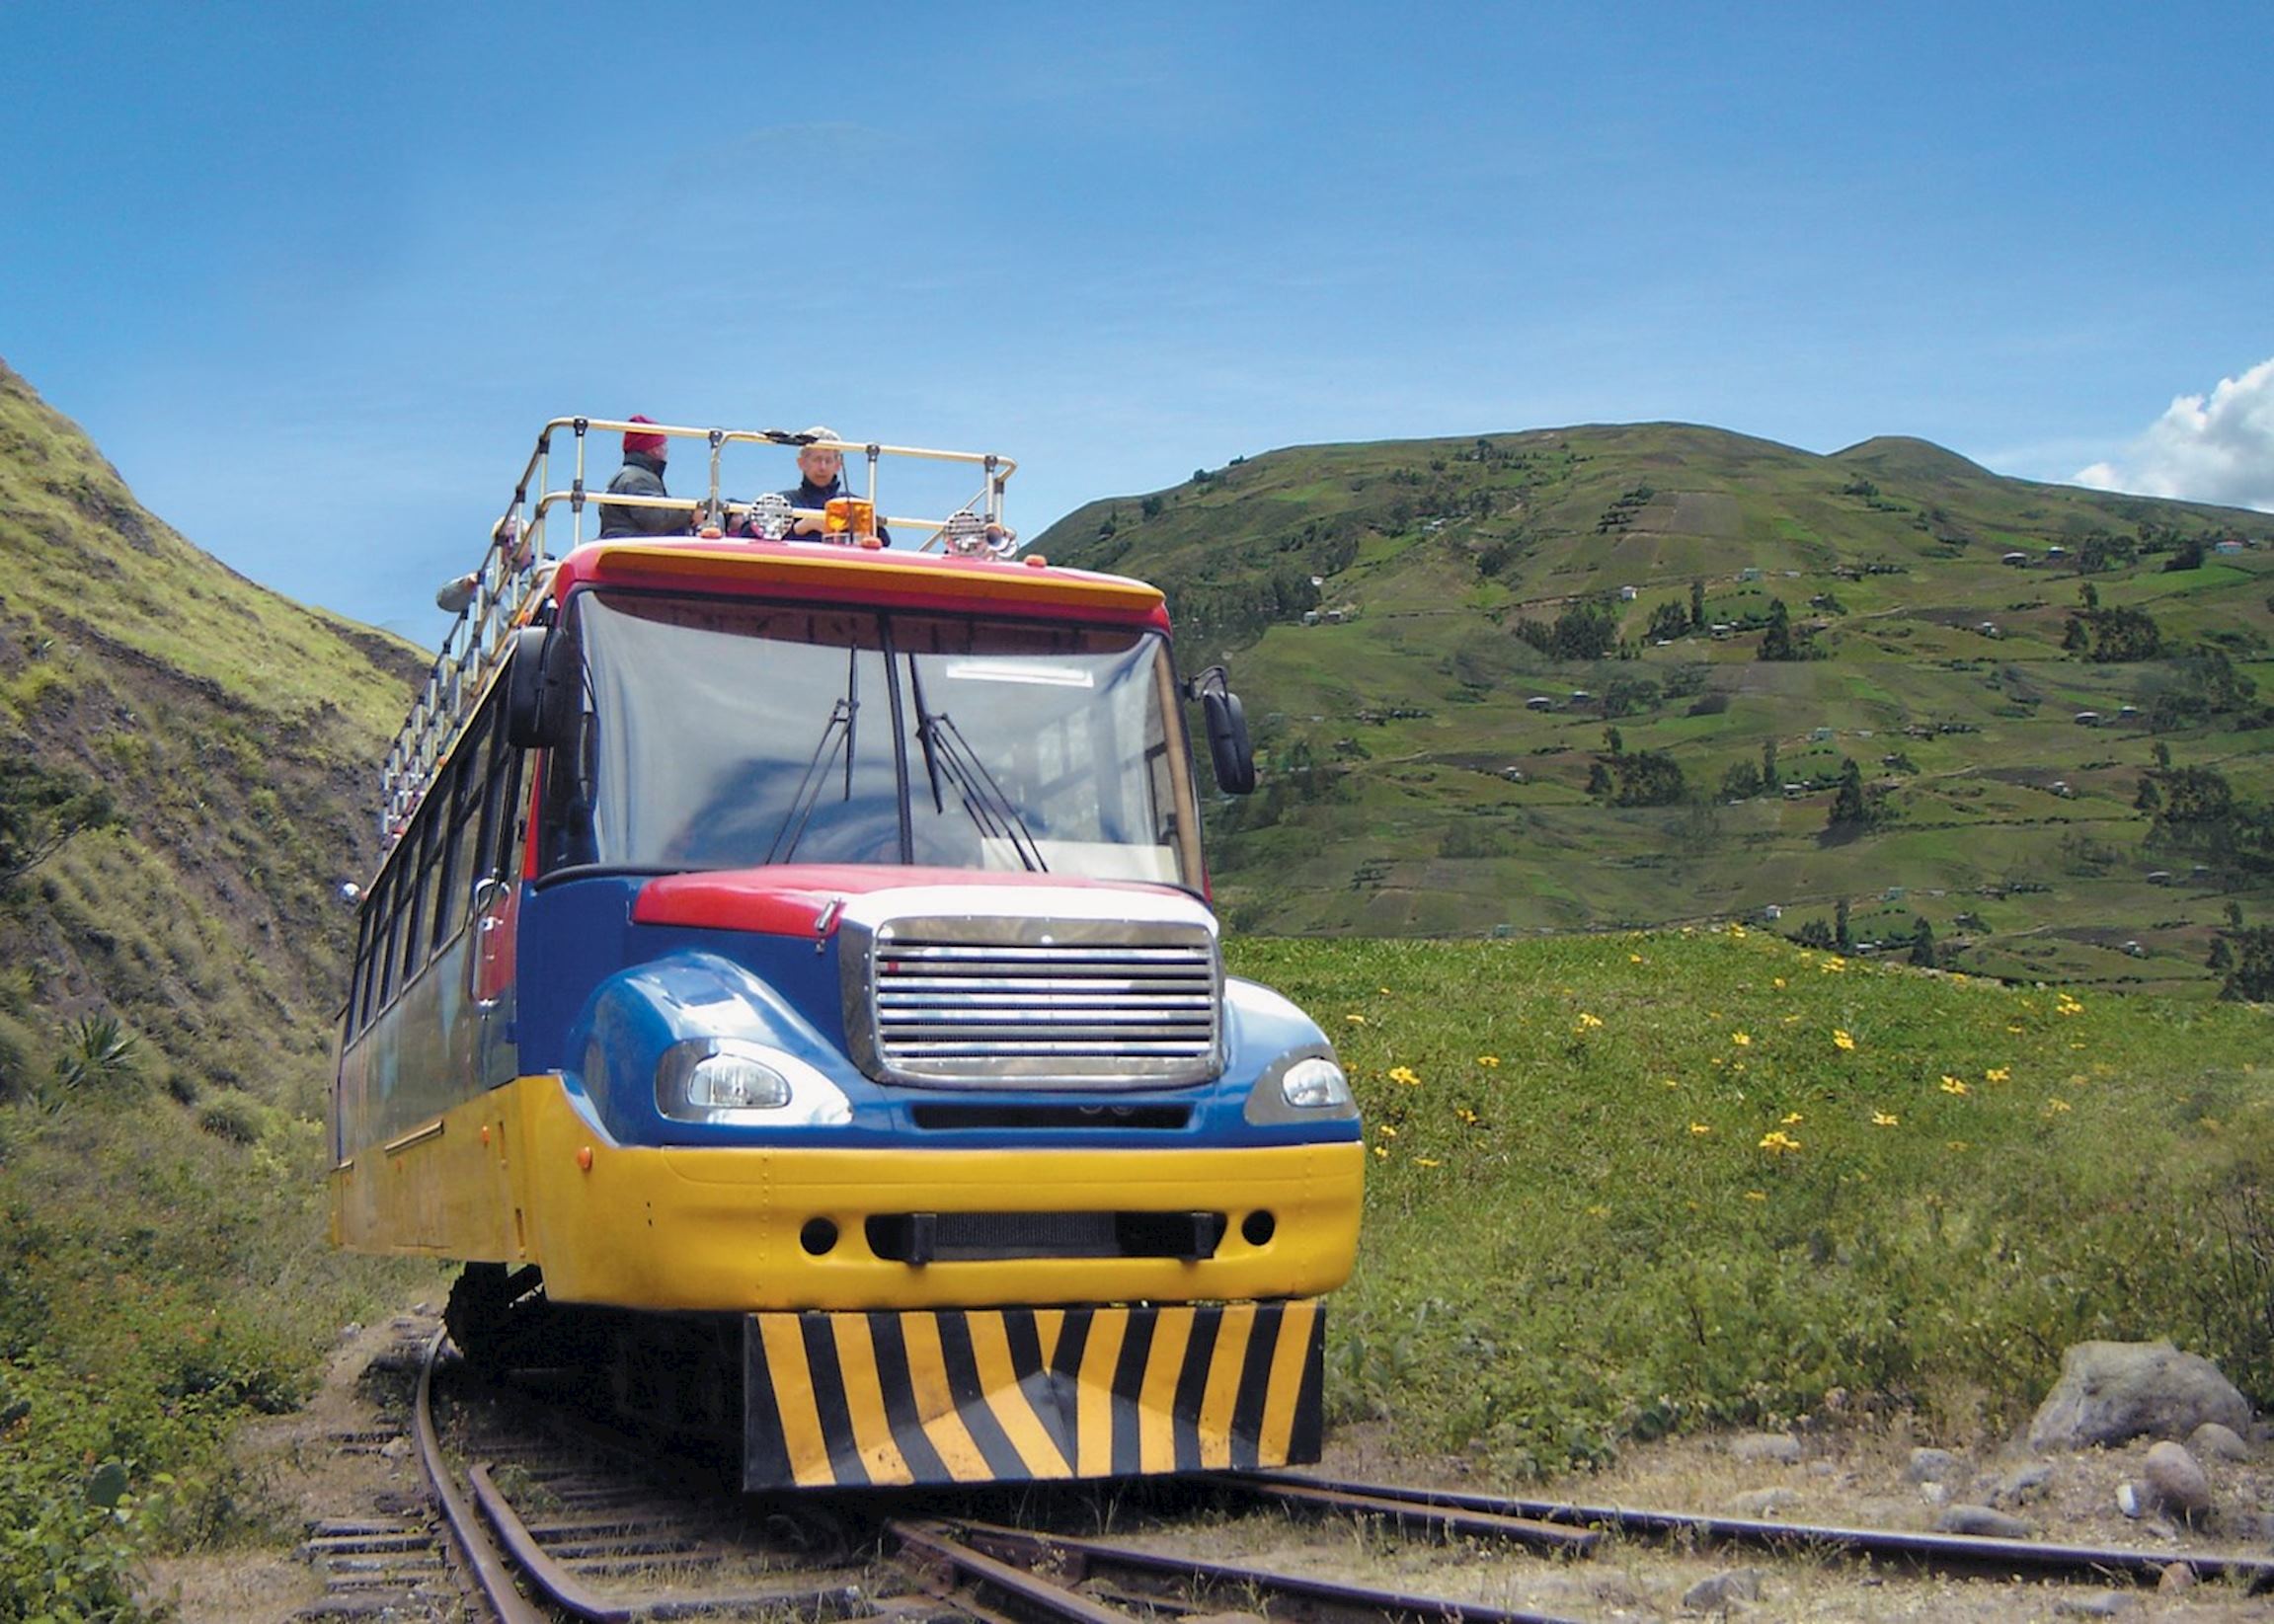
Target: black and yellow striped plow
x=991, y=1395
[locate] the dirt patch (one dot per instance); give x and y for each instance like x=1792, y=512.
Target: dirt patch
x=344, y=1456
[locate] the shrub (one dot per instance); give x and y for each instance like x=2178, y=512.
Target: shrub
x=236, y=1117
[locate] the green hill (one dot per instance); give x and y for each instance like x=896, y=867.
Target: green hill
x=1432, y=638
x=167, y=982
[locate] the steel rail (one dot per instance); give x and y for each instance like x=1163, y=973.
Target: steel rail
x=1445, y=1521
x=1313, y=1597
x=474, y=1544
x=564, y=1590
x=931, y=1542
x=1942, y=1551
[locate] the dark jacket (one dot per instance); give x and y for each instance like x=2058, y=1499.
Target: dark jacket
x=641, y=476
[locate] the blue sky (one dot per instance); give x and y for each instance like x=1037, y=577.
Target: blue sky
x=312, y=276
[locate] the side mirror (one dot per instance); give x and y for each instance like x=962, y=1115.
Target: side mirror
x=1227, y=744
x=535, y=689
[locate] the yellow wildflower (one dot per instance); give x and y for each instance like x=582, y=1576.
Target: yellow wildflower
x=1951, y=1085
x=1488, y=1059
x=1777, y=1142
x=1587, y=1022
x=1356, y=1019
x=2056, y=1106
x=1741, y=1039
x=1426, y=1161
x=1737, y=931
x=1382, y=1151
x=1885, y=1119
x=2014, y=1029
x=1699, y=1129
x=1634, y=958
x=1778, y=983
x=1672, y=1083
x=1756, y=1195
x=1998, y=1074
x=1841, y=1039
x=1957, y=1144
x=1385, y=1130
x=1833, y=964
x=1381, y=989
x=1467, y=1118
x=1793, y=1116
x=1405, y=1075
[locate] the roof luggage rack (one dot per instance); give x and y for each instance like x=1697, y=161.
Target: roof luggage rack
x=508, y=585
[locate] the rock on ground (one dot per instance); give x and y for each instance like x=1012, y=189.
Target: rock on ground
x=2111, y=1391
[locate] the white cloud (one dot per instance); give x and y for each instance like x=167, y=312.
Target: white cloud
x=2219, y=448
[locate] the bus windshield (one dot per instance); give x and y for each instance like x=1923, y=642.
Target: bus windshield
x=726, y=733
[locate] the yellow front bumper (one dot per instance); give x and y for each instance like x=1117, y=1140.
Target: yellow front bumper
x=519, y=1177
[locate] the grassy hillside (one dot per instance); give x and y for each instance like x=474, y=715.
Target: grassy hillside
x=1427, y=768
x=1626, y=1185
x=166, y=981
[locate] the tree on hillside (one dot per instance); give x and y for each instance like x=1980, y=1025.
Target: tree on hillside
x=1777, y=642
x=1741, y=782
x=1854, y=808
x=2252, y=976
x=1667, y=622
x=2088, y=595
x=1922, y=951
x=1843, y=934
x=41, y=809
x=2188, y=556
x=2122, y=635
x=2198, y=814
x=2202, y=683
x=1697, y=605
x=1770, y=782
x=1614, y=740
x=1647, y=778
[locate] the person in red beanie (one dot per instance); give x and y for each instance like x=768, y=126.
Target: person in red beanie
x=642, y=475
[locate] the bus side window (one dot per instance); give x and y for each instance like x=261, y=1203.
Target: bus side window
x=388, y=942
x=463, y=808
x=418, y=889
x=497, y=846
x=360, y=976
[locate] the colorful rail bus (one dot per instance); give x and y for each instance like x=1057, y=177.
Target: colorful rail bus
x=790, y=982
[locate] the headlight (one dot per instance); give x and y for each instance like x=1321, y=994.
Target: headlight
x=728, y=1080
x=1305, y=1086
x=1314, y=1083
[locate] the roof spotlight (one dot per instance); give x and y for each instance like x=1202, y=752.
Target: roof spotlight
x=770, y=516
x=966, y=535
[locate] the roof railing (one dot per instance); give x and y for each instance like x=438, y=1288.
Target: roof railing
x=504, y=591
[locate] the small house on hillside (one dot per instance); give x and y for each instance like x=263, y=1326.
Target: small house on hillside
x=1628, y=594
x=2088, y=719
x=2228, y=548
x=1539, y=702
x=2019, y=560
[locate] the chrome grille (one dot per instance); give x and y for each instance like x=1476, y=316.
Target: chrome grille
x=1023, y=1001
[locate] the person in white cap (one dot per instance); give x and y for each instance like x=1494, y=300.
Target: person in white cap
x=820, y=475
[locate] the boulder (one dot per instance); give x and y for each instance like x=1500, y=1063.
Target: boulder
x=1780, y=1448
x=2111, y=1391
x=1712, y=1594
x=1934, y=1466
x=1981, y=1522
x=2175, y=1483
x=2216, y=1443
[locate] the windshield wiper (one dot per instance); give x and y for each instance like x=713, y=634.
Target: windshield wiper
x=946, y=749
x=836, y=735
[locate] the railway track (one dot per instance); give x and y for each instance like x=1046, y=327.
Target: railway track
x=555, y=1518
